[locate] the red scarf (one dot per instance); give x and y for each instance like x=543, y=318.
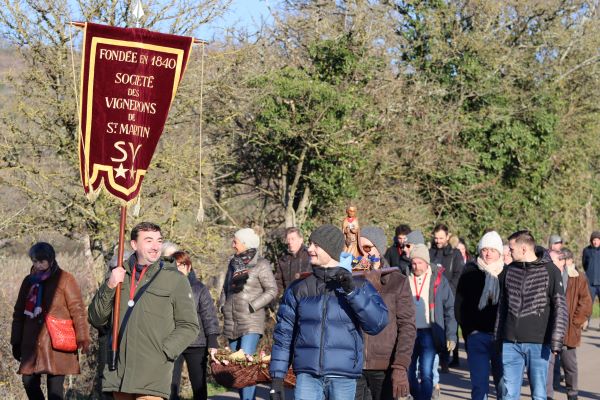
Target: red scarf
x=33, y=301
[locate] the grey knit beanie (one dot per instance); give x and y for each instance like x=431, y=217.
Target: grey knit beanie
x=330, y=238
x=415, y=237
x=376, y=235
x=554, y=239
x=595, y=235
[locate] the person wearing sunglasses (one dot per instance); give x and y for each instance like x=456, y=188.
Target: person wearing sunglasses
x=396, y=254
x=387, y=355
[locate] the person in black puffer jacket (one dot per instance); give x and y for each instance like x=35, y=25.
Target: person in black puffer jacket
x=196, y=354
x=532, y=316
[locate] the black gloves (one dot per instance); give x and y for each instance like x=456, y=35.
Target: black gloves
x=238, y=281
x=277, y=389
x=16, y=352
x=344, y=278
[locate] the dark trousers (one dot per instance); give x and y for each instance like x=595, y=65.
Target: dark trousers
x=568, y=360
x=455, y=356
x=54, y=383
x=374, y=385
x=594, y=292
x=195, y=358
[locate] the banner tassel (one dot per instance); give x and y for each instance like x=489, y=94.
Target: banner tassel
x=137, y=206
x=200, y=214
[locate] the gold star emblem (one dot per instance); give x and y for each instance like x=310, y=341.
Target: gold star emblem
x=132, y=173
x=120, y=172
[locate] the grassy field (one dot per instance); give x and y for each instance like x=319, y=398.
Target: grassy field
x=596, y=310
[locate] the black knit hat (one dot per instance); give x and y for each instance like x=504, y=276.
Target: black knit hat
x=330, y=238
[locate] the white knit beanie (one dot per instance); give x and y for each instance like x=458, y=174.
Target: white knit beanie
x=491, y=240
x=248, y=237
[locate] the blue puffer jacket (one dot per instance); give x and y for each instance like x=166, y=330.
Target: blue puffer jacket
x=320, y=328
x=591, y=264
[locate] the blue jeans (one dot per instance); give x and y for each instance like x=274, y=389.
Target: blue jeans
x=594, y=292
x=309, y=387
x=436, y=373
x=248, y=343
x=517, y=356
x=482, y=354
x=424, y=353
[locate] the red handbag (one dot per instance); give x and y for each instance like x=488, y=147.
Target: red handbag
x=62, y=333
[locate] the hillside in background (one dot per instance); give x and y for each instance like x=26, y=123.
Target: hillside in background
x=10, y=63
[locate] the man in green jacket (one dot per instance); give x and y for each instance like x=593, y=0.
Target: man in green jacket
x=158, y=318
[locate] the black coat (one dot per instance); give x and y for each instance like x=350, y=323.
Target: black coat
x=396, y=258
x=452, y=261
x=290, y=266
x=207, y=314
x=466, y=303
x=532, y=306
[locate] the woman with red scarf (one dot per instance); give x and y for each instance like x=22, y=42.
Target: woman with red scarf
x=47, y=291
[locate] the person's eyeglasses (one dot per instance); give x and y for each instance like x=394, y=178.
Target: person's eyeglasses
x=408, y=245
x=367, y=247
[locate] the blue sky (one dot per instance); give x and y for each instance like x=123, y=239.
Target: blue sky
x=245, y=14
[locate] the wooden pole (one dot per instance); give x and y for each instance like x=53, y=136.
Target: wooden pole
x=81, y=25
x=114, y=351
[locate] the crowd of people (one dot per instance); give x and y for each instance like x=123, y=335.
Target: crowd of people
x=355, y=319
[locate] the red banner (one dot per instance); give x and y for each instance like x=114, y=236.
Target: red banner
x=129, y=79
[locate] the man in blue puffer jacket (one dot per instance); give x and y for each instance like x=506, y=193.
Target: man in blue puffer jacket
x=320, y=323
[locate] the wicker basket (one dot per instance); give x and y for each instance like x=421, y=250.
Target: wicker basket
x=237, y=375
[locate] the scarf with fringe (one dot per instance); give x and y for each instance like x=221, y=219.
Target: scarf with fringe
x=491, y=288
x=33, y=301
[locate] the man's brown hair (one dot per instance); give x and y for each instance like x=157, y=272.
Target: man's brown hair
x=143, y=227
x=523, y=237
x=441, y=227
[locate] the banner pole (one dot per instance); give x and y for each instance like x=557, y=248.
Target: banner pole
x=81, y=25
x=114, y=351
